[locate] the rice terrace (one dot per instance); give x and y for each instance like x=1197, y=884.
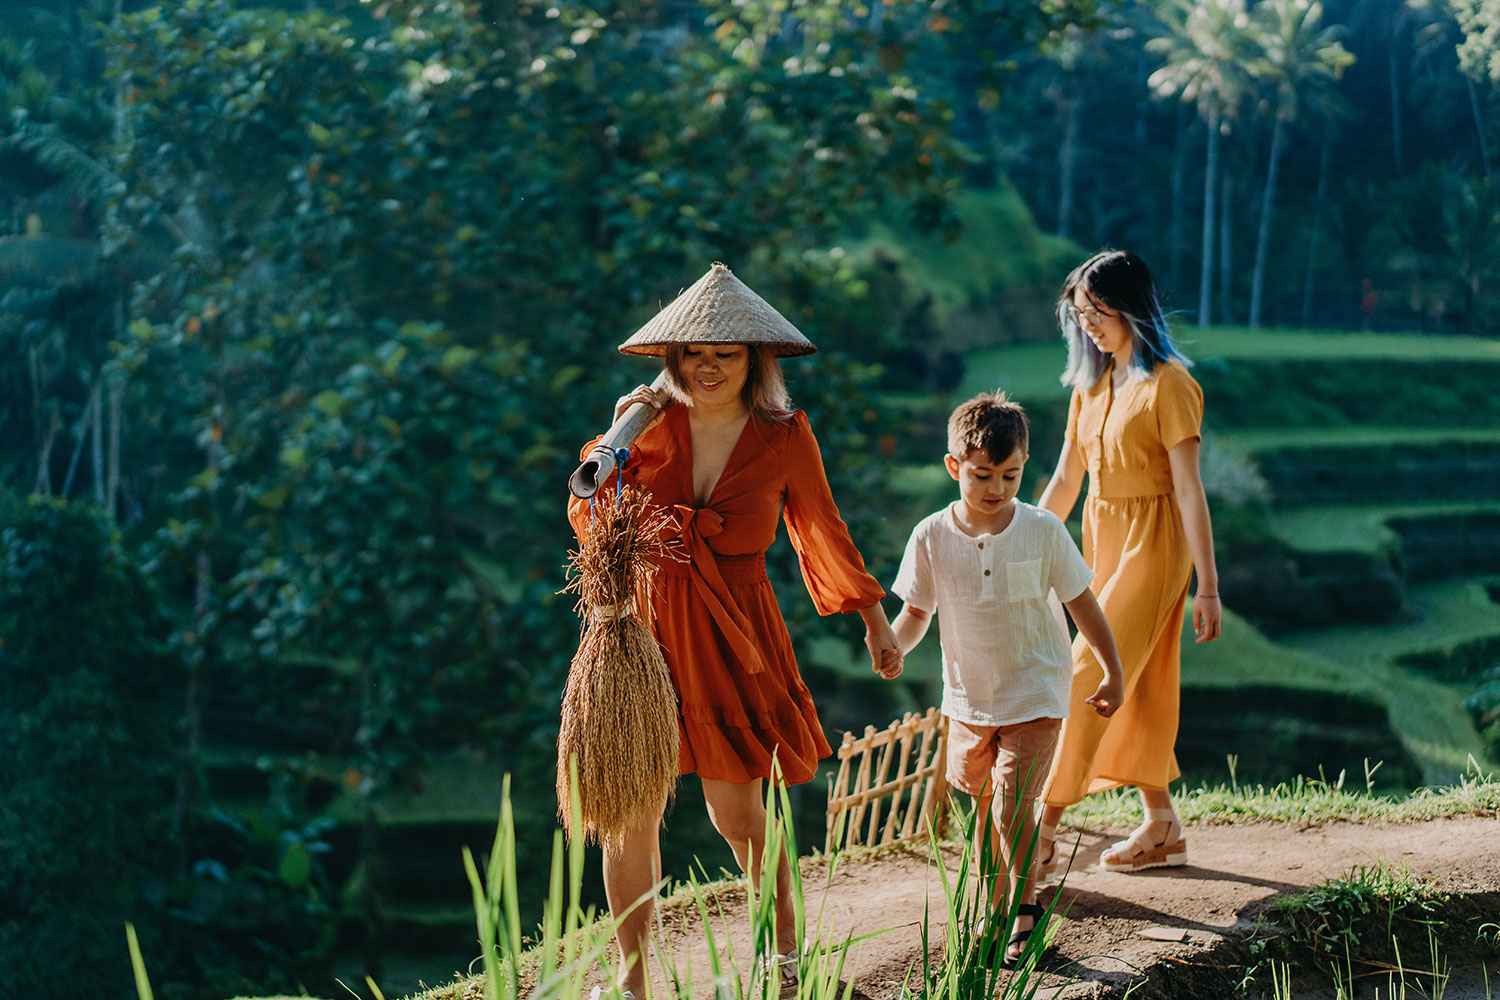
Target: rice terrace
x=345, y=652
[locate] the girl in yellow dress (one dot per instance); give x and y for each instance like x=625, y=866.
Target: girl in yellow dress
x=1133, y=424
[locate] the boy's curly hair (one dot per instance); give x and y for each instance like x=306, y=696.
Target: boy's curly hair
x=990, y=422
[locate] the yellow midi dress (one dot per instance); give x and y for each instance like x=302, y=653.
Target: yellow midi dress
x=1134, y=540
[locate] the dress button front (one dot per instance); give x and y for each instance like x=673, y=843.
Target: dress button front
x=986, y=572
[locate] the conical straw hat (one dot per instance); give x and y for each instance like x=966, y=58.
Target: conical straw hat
x=718, y=309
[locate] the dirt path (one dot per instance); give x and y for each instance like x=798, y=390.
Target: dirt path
x=1102, y=945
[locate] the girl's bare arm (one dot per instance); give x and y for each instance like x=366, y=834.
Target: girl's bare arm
x=1192, y=504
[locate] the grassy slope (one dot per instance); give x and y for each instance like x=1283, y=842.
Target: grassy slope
x=1361, y=527
x=1030, y=370
x=1001, y=248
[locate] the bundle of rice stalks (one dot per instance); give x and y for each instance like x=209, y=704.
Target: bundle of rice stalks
x=619, y=711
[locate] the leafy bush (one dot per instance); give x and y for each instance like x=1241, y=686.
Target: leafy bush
x=86, y=733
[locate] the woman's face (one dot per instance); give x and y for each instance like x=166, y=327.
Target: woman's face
x=715, y=374
x=1104, y=326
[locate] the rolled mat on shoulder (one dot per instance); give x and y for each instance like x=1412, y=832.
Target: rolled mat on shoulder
x=619, y=710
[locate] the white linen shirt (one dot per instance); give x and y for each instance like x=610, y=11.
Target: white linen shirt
x=1005, y=657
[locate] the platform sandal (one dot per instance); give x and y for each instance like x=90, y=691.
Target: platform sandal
x=779, y=973
x=1139, y=852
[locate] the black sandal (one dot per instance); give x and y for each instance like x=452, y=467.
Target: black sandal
x=1035, y=912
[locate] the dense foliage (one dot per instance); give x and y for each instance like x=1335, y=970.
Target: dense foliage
x=86, y=736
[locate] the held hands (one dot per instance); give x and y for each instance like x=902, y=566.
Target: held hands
x=880, y=640
x=1109, y=696
x=1207, y=611
x=885, y=660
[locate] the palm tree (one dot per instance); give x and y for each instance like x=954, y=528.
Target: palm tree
x=1300, y=64
x=1206, y=47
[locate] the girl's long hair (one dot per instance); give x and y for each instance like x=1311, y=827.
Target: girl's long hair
x=1122, y=281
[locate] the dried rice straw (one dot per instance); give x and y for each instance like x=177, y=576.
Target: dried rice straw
x=619, y=710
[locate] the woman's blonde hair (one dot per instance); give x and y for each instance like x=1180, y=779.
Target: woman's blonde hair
x=764, y=394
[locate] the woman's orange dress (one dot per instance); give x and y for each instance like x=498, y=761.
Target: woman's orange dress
x=741, y=698
x=1134, y=540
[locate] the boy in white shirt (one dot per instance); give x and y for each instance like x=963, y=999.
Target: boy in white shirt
x=985, y=564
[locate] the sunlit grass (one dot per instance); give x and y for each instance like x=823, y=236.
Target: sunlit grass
x=1305, y=801
x=1452, y=612
x=1292, y=344
x=1271, y=439
x=1427, y=716
x=1363, y=527
x=1030, y=371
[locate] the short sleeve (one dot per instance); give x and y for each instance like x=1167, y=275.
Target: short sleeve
x=1178, y=406
x=832, y=567
x=914, y=579
x=1075, y=405
x=1070, y=574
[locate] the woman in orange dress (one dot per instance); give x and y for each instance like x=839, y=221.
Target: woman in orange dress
x=730, y=458
x=1133, y=424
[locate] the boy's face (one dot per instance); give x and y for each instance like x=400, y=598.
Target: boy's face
x=986, y=486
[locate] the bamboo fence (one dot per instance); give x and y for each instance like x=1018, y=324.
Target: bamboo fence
x=884, y=808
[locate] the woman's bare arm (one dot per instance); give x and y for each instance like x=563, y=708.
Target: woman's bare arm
x=1192, y=504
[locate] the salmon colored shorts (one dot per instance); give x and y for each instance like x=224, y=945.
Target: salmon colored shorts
x=994, y=760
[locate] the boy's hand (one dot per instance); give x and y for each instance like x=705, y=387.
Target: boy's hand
x=885, y=655
x=891, y=664
x=1108, y=697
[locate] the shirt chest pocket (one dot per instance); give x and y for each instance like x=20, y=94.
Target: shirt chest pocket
x=1023, y=580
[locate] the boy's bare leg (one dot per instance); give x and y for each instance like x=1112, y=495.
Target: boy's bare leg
x=1018, y=820
x=988, y=846
x=739, y=814
x=632, y=870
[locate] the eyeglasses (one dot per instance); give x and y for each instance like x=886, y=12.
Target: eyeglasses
x=1074, y=315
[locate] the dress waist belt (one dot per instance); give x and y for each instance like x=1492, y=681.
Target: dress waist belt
x=749, y=568
x=706, y=570
x=1124, y=485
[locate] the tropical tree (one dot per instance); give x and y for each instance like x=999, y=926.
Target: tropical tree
x=1479, y=53
x=1300, y=63
x=1206, y=47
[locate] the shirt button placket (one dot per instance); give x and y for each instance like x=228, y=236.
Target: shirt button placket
x=987, y=563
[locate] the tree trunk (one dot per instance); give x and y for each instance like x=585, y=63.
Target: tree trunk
x=1179, y=196
x=1484, y=146
x=1395, y=82
x=112, y=473
x=96, y=442
x=1312, y=237
x=79, y=438
x=1206, y=263
x=1226, y=245
x=1067, y=157
x=192, y=711
x=44, y=459
x=1263, y=238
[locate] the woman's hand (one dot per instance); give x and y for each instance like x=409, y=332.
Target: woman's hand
x=1207, y=612
x=885, y=652
x=644, y=394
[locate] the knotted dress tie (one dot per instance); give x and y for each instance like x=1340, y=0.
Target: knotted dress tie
x=698, y=525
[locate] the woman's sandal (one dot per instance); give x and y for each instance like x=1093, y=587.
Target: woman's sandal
x=784, y=968
x=1046, y=853
x=1016, y=946
x=610, y=993
x=1139, y=851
